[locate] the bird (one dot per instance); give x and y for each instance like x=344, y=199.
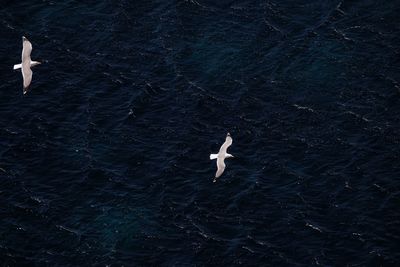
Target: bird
x=222, y=154
x=26, y=63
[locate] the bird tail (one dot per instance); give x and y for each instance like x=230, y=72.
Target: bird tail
x=213, y=156
x=34, y=63
x=17, y=66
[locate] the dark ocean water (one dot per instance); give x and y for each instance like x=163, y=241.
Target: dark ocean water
x=106, y=160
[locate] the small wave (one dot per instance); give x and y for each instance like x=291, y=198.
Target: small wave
x=69, y=230
x=303, y=108
x=314, y=227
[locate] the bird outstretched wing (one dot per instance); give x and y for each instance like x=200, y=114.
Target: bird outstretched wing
x=226, y=144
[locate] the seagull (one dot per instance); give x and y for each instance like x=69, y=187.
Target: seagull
x=26, y=64
x=221, y=156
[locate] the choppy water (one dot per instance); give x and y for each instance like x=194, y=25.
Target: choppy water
x=106, y=160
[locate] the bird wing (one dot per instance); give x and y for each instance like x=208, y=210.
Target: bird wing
x=226, y=144
x=26, y=51
x=27, y=76
x=220, y=166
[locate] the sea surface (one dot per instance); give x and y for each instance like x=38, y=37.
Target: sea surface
x=105, y=162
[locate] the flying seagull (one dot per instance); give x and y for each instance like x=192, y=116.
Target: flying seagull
x=221, y=156
x=26, y=64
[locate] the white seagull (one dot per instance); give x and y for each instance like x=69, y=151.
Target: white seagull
x=26, y=64
x=221, y=156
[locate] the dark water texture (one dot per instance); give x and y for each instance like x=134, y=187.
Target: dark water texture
x=106, y=160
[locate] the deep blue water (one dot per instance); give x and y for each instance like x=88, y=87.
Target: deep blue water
x=106, y=160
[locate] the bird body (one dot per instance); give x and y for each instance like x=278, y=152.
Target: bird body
x=222, y=154
x=19, y=66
